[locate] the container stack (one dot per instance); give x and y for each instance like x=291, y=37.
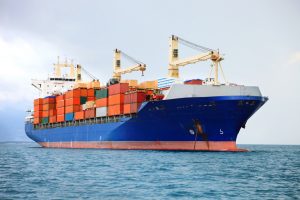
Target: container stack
x=38, y=111
x=60, y=108
x=116, y=98
x=133, y=100
x=49, y=110
x=101, y=102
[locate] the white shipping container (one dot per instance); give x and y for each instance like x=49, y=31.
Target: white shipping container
x=101, y=112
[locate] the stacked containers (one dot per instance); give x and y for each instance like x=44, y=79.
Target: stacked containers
x=133, y=100
x=60, y=108
x=116, y=98
x=101, y=102
x=48, y=108
x=72, y=104
x=38, y=111
x=78, y=115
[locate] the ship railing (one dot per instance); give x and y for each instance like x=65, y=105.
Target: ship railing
x=82, y=122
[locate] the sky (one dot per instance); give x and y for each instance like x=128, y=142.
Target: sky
x=259, y=40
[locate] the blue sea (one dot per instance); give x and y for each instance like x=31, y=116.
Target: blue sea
x=266, y=172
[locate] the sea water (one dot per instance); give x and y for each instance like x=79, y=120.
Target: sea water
x=266, y=172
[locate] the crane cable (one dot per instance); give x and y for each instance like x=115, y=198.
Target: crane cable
x=89, y=74
x=131, y=58
x=193, y=45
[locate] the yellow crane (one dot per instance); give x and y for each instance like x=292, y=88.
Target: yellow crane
x=207, y=54
x=139, y=66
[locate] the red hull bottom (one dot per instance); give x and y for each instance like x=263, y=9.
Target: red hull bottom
x=166, y=145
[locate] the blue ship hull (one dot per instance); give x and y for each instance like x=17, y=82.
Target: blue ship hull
x=195, y=123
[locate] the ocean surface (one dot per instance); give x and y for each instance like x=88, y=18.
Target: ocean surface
x=266, y=172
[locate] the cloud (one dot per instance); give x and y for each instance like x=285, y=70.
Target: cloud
x=294, y=58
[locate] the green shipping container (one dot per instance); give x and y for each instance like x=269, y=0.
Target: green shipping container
x=83, y=100
x=103, y=93
x=45, y=120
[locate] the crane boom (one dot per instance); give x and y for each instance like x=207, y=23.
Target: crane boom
x=175, y=62
x=117, y=65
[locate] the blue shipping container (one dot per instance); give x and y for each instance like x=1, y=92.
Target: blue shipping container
x=69, y=116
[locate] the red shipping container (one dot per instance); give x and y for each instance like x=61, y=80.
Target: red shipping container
x=72, y=101
x=119, y=88
x=38, y=101
x=60, y=111
x=91, y=99
x=127, y=108
x=116, y=99
x=90, y=113
x=48, y=106
x=127, y=98
x=72, y=108
x=115, y=110
x=38, y=107
x=90, y=92
x=83, y=92
x=137, y=97
x=49, y=100
x=60, y=118
x=60, y=103
x=45, y=113
x=101, y=102
x=134, y=107
x=60, y=98
x=38, y=114
x=72, y=93
x=52, y=119
x=79, y=115
x=37, y=120
x=52, y=112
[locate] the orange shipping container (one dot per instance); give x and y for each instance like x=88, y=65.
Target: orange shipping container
x=90, y=113
x=91, y=99
x=60, y=98
x=83, y=92
x=115, y=99
x=134, y=107
x=48, y=106
x=60, y=118
x=73, y=101
x=101, y=102
x=60, y=111
x=52, y=112
x=52, y=119
x=48, y=100
x=72, y=94
x=127, y=109
x=90, y=92
x=79, y=115
x=38, y=114
x=38, y=101
x=45, y=113
x=60, y=103
x=115, y=110
x=73, y=108
x=38, y=107
x=37, y=120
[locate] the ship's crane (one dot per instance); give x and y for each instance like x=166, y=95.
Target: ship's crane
x=139, y=66
x=207, y=54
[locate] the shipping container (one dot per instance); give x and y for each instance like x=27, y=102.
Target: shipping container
x=119, y=88
x=134, y=107
x=88, y=104
x=101, y=112
x=38, y=101
x=60, y=103
x=37, y=120
x=45, y=120
x=89, y=113
x=38, y=114
x=48, y=106
x=131, y=83
x=102, y=93
x=116, y=99
x=79, y=115
x=127, y=109
x=69, y=116
x=93, y=85
x=72, y=101
x=83, y=92
x=38, y=107
x=52, y=112
x=83, y=100
x=72, y=108
x=90, y=92
x=90, y=98
x=115, y=110
x=72, y=93
x=60, y=111
x=45, y=113
x=60, y=98
x=60, y=117
x=134, y=97
x=52, y=119
x=49, y=100
x=101, y=102
x=148, y=85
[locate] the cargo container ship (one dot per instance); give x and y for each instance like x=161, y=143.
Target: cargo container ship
x=163, y=114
